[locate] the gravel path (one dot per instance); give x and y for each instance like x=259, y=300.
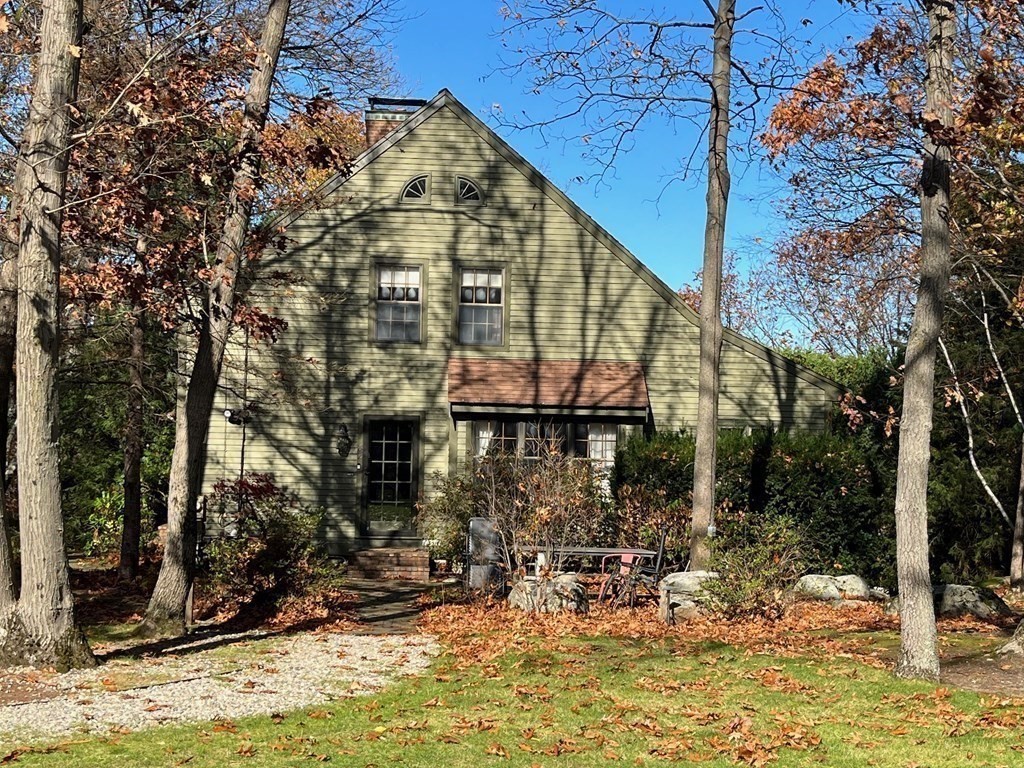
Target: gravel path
x=225, y=677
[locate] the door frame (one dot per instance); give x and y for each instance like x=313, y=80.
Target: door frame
x=414, y=417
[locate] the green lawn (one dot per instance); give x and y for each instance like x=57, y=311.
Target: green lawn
x=574, y=701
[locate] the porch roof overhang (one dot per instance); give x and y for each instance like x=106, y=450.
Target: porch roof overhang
x=574, y=389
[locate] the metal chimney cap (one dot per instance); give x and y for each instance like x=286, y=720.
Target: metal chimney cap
x=378, y=102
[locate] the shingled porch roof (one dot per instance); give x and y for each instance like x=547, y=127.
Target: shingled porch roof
x=594, y=388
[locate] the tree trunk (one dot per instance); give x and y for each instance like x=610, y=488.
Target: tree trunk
x=918, y=653
x=42, y=630
x=131, y=530
x=1016, y=644
x=705, y=455
x=1017, y=552
x=8, y=327
x=166, y=611
x=8, y=313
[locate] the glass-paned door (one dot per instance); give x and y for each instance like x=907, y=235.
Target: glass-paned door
x=391, y=474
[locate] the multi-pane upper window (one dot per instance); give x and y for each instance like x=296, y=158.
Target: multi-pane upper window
x=481, y=306
x=417, y=190
x=399, y=306
x=467, y=191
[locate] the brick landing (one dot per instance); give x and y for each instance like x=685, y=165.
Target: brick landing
x=391, y=565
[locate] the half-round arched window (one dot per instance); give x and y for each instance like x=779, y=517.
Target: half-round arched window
x=416, y=190
x=467, y=191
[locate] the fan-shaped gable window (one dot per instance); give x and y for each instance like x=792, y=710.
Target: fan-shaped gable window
x=467, y=191
x=417, y=190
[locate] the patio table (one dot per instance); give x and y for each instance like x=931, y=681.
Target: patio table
x=602, y=552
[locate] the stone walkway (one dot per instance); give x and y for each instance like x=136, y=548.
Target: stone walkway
x=388, y=607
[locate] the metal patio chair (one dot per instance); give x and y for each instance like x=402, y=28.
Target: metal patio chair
x=624, y=586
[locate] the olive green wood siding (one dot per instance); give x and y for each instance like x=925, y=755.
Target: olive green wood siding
x=568, y=297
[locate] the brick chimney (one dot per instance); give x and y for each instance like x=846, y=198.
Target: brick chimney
x=385, y=115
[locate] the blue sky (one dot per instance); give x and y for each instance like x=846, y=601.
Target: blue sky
x=455, y=44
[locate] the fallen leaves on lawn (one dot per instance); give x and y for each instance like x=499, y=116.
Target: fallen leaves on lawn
x=14, y=755
x=746, y=746
x=325, y=610
x=303, y=747
x=482, y=632
x=773, y=679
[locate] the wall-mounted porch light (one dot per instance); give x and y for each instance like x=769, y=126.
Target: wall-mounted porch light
x=238, y=415
x=344, y=441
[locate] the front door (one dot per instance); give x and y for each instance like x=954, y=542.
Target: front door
x=391, y=475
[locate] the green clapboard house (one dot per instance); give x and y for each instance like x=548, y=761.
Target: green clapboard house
x=444, y=297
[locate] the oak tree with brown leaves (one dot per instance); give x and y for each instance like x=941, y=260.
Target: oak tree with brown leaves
x=899, y=147
x=163, y=138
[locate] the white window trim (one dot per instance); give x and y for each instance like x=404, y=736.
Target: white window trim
x=602, y=433
x=500, y=307
x=379, y=302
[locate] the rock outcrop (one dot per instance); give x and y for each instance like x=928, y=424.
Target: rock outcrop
x=682, y=595
x=562, y=593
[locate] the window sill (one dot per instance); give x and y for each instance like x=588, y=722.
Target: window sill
x=381, y=343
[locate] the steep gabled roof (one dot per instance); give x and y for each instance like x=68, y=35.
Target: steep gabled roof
x=445, y=99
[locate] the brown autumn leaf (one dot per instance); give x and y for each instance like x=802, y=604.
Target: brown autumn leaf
x=224, y=726
x=246, y=749
x=497, y=750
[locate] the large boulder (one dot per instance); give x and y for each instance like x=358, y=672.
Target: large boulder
x=816, y=586
x=562, y=593
x=880, y=594
x=853, y=587
x=682, y=595
x=954, y=600
x=964, y=600
x=833, y=589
